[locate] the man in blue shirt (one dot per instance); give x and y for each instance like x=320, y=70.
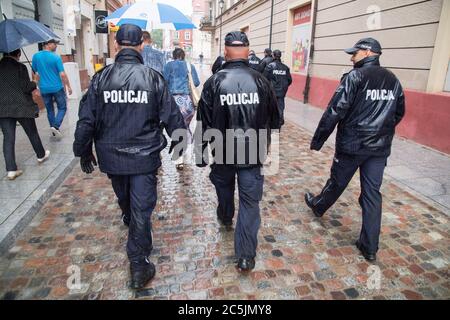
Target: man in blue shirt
x=152, y=57
x=53, y=83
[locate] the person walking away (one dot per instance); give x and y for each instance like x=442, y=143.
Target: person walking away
x=266, y=60
x=53, y=84
x=239, y=99
x=280, y=76
x=176, y=75
x=253, y=60
x=367, y=106
x=124, y=112
x=152, y=57
x=17, y=105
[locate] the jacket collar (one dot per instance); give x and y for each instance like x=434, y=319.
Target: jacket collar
x=129, y=56
x=369, y=61
x=236, y=63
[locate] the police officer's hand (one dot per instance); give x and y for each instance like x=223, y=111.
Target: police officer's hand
x=87, y=163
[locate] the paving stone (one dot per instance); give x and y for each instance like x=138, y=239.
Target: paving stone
x=299, y=256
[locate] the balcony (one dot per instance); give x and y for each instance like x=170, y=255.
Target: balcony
x=206, y=24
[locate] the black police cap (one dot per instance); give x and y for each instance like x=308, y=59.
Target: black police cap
x=365, y=44
x=277, y=53
x=236, y=39
x=129, y=35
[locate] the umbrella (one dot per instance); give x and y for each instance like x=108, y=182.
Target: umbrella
x=18, y=33
x=149, y=15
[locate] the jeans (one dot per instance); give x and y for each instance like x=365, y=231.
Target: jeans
x=137, y=196
x=371, y=170
x=61, y=103
x=250, y=185
x=9, y=139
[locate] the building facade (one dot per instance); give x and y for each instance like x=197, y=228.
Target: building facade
x=201, y=39
x=312, y=34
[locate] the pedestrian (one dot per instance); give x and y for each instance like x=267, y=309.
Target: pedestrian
x=280, y=76
x=266, y=60
x=239, y=99
x=367, y=106
x=176, y=75
x=123, y=113
x=17, y=105
x=253, y=60
x=200, y=57
x=53, y=84
x=217, y=65
x=152, y=57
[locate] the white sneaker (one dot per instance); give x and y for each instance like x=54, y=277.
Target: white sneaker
x=14, y=174
x=56, y=133
x=47, y=154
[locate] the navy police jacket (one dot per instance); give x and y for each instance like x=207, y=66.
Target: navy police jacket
x=124, y=113
x=366, y=107
x=280, y=76
x=239, y=99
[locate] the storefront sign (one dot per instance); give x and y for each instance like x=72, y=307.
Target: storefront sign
x=101, y=26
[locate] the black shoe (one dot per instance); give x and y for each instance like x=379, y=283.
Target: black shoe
x=368, y=256
x=226, y=223
x=141, y=275
x=309, y=202
x=246, y=264
x=126, y=219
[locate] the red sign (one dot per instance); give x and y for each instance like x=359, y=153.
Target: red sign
x=302, y=15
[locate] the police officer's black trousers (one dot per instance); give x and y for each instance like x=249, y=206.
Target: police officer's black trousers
x=371, y=170
x=250, y=186
x=281, y=107
x=137, y=198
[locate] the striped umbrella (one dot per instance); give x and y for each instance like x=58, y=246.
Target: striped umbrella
x=149, y=15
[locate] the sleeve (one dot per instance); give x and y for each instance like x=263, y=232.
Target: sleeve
x=85, y=128
x=338, y=107
x=166, y=72
x=289, y=76
x=204, y=120
x=400, y=110
x=60, y=65
x=195, y=76
x=34, y=64
x=268, y=72
x=275, y=116
x=169, y=113
x=26, y=84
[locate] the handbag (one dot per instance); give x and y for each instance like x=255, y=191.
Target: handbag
x=195, y=96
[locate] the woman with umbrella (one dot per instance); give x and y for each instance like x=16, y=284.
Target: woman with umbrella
x=17, y=105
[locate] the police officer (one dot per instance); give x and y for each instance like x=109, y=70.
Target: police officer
x=280, y=76
x=238, y=98
x=367, y=106
x=217, y=65
x=123, y=113
x=266, y=60
x=253, y=60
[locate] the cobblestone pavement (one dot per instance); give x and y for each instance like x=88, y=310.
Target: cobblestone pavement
x=299, y=256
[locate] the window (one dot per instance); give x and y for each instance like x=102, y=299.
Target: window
x=177, y=35
x=187, y=35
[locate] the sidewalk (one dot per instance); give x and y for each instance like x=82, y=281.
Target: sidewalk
x=22, y=198
x=420, y=170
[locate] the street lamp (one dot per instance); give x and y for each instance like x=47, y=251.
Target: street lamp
x=221, y=4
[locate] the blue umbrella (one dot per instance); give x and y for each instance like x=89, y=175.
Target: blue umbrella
x=149, y=15
x=18, y=33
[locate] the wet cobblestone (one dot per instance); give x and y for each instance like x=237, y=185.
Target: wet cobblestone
x=299, y=256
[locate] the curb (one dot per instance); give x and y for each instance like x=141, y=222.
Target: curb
x=22, y=216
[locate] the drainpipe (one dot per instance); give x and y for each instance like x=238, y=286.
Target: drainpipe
x=271, y=25
x=311, y=55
